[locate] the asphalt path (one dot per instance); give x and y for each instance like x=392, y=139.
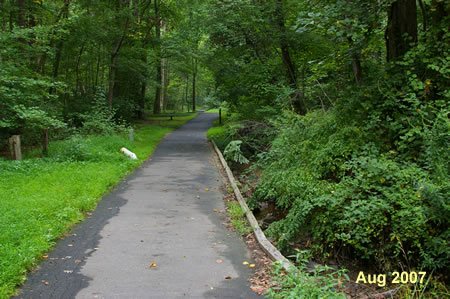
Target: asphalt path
x=159, y=234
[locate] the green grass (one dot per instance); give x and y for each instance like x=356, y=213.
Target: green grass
x=40, y=199
x=218, y=132
x=214, y=110
x=321, y=282
x=238, y=219
x=176, y=114
x=215, y=132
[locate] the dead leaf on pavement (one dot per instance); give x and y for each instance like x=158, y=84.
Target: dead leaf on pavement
x=45, y=256
x=46, y=283
x=207, y=189
x=227, y=277
x=70, y=245
x=219, y=261
x=245, y=263
x=152, y=265
x=215, y=210
x=252, y=266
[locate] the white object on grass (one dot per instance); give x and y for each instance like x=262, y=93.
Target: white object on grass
x=128, y=153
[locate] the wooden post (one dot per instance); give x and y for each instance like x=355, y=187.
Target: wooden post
x=131, y=135
x=14, y=142
x=45, y=142
x=220, y=116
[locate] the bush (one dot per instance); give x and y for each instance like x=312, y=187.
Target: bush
x=220, y=136
x=91, y=148
x=341, y=192
x=233, y=152
x=100, y=120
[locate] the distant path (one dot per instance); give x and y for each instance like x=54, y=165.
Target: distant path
x=154, y=216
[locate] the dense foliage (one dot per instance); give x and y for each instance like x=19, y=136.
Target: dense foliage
x=58, y=59
x=345, y=108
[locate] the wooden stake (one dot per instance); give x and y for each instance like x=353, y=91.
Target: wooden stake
x=45, y=142
x=14, y=142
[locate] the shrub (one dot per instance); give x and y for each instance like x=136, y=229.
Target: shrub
x=341, y=191
x=100, y=120
x=233, y=152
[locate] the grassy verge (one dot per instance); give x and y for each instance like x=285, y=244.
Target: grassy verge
x=219, y=132
x=320, y=282
x=237, y=217
x=41, y=198
x=214, y=110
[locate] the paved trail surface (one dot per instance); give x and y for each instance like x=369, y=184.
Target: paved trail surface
x=154, y=216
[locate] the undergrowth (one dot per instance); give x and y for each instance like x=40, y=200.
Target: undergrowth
x=238, y=218
x=321, y=282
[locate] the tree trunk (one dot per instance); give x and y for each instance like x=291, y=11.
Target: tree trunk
x=401, y=30
x=357, y=71
x=157, y=103
x=63, y=13
x=185, y=94
x=21, y=14
x=97, y=70
x=77, y=68
x=289, y=64
x=113, y=69
x=56, y=64
x=194, y=82
x=166, y=84
x=142, y=101
x=45, y=142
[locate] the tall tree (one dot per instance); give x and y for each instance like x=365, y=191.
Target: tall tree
x=401, y=29
x=158, y=63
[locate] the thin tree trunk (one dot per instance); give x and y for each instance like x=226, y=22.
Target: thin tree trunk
x=289, y=64
x=56, y=64
x=194, y=82
x=21, y=14
x=113, y=69
x=165, y=81
x=63, y=13
x=177, y=98
x=157, y=103
x=357, y=71
x=97, y=71
x=402, y=20
x=185, y=93
x=77, y=68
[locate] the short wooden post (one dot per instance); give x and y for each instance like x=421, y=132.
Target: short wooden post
x=16, y=152
x=220, y=116
x=45, y=142
x=131, y=135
